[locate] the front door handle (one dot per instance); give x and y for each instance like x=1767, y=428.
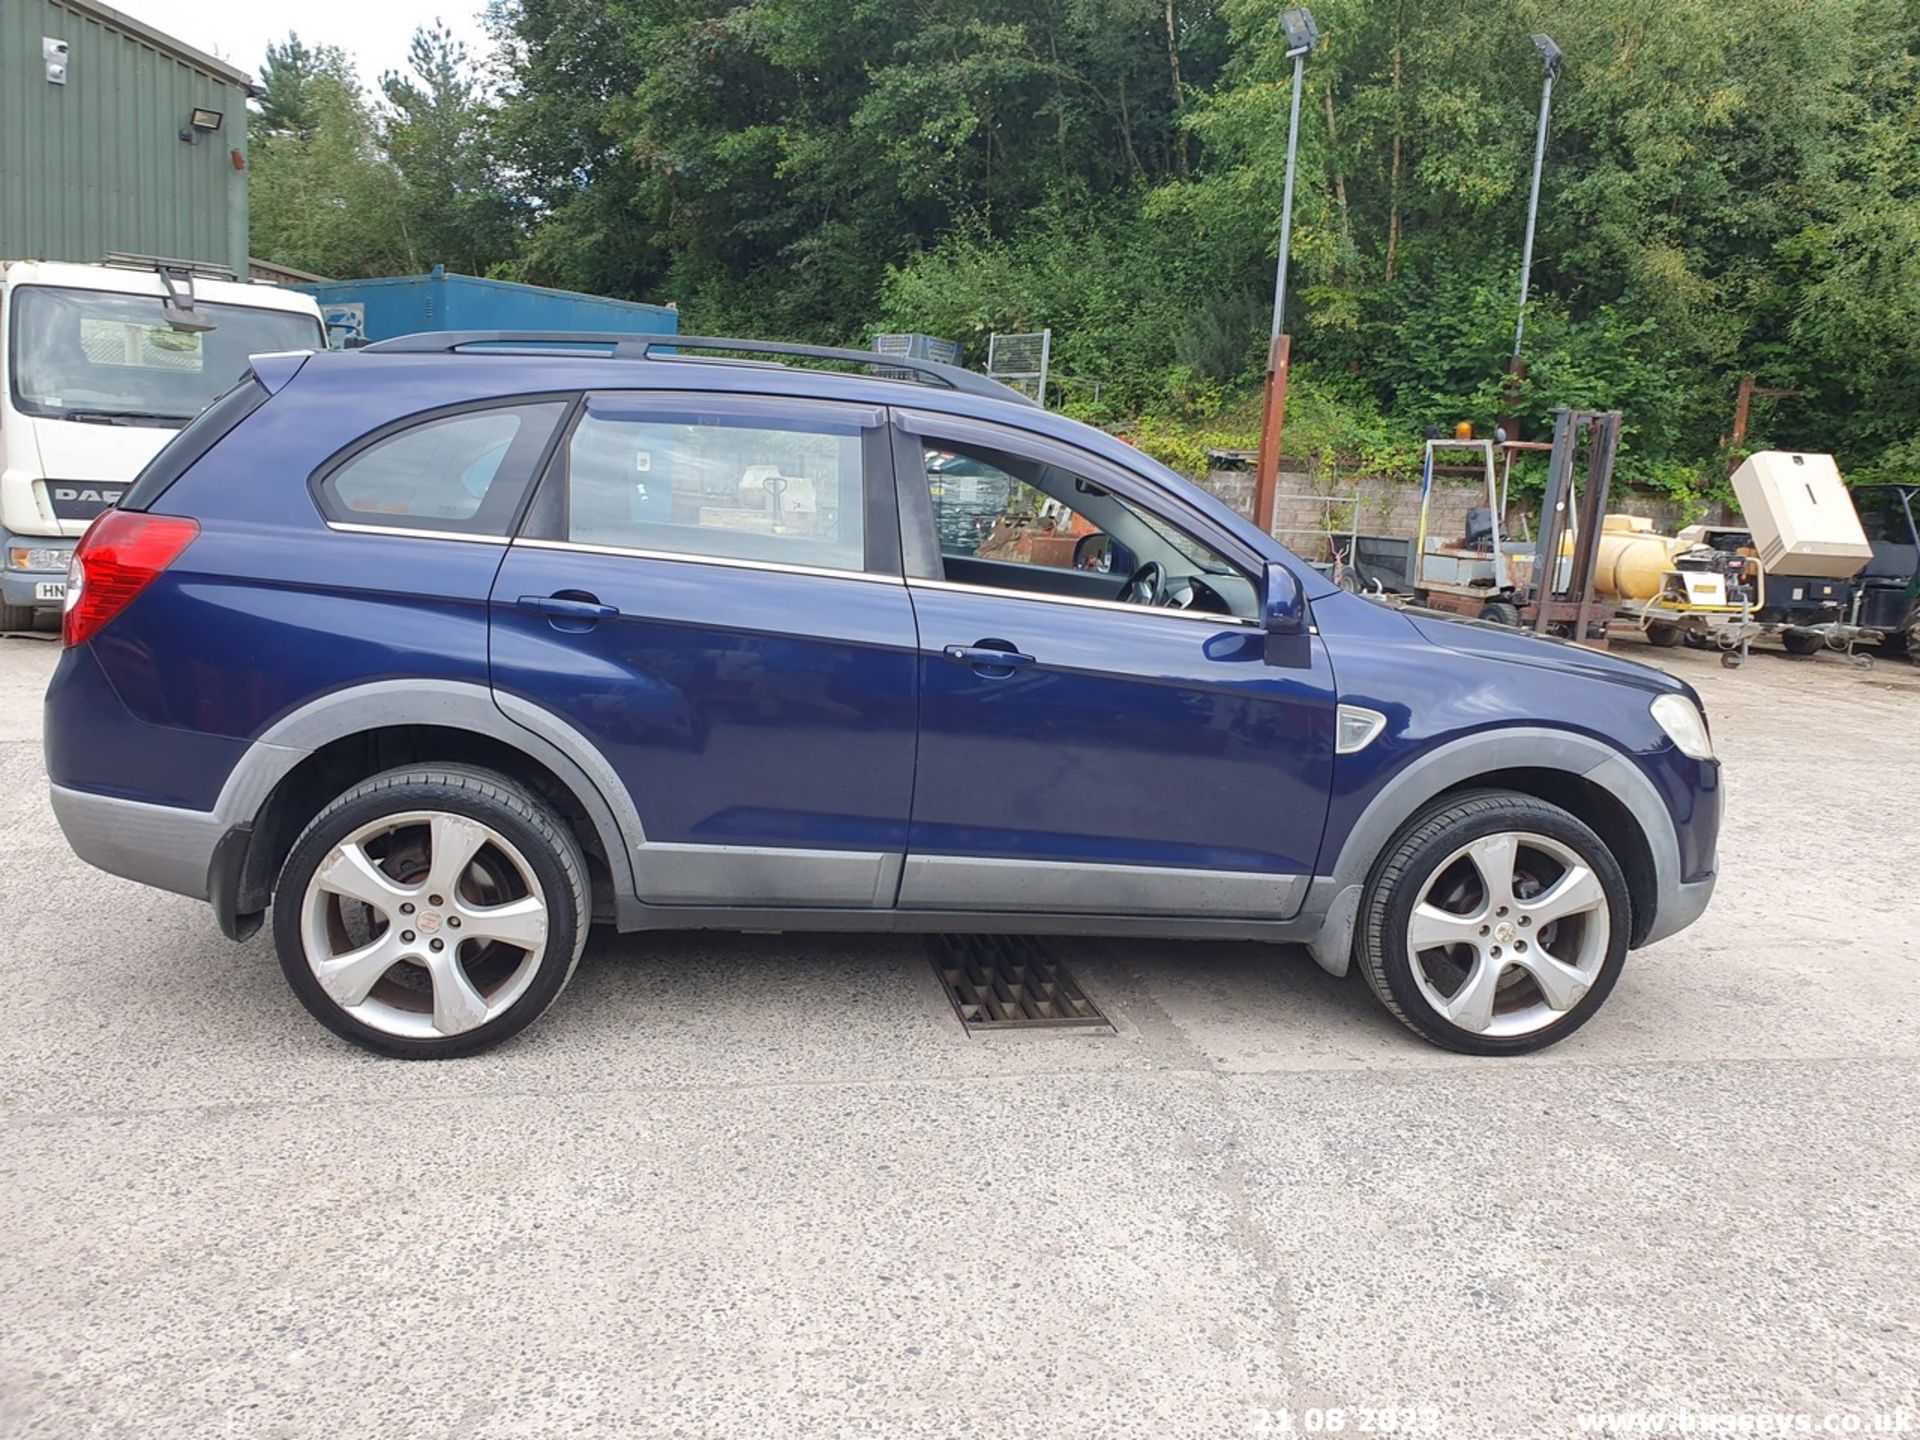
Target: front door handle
x=575, y=606
x=987, y=657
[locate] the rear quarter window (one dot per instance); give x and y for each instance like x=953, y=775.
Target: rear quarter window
x=464, y=473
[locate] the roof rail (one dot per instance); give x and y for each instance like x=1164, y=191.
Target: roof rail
x=641, y=347
x=207, y=269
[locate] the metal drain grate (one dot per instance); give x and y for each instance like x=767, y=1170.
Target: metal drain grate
x=1006, y=982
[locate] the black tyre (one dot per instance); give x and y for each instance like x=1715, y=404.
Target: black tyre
x=1802, y=642
x=1663, y=636
x=16, y=617
x=1495, y=924
x=1499, y=612
x=431, y=911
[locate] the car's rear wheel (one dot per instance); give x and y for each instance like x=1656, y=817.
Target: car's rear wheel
x=431, y=912
x=1496, y=924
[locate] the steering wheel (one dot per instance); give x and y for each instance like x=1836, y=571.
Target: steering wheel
x=1146, y=586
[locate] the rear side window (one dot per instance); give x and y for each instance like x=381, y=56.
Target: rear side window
x=201, y=434
x=777, y=483
x=465, y=474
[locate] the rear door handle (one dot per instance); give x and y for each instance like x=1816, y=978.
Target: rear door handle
x=567, y=607
x=987, y=656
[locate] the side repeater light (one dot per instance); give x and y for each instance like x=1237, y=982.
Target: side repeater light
x=1355, y=728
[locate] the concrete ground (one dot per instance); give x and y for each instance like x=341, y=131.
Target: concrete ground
x=765, y=1186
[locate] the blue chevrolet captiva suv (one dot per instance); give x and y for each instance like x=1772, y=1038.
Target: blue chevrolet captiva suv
x=445, y=649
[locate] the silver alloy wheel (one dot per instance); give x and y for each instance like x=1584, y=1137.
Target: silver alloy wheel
x=1518, y=924
x=425, y=924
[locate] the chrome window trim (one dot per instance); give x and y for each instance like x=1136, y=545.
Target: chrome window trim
x=406, y=533
x=1236, y=621
x=726, y=561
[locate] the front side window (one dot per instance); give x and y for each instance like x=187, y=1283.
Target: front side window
x=112, y=359
x=1014, y=522
x=728, y=484
x=464, y=473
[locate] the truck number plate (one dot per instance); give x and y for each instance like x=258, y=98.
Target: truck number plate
x=50, y=590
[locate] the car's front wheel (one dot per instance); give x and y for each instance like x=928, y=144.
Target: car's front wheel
x=1496, y=924
x=431, y=912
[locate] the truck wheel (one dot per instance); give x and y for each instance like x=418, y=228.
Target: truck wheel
x=1663, y=636
x=432, y=911
x=1802, y=642
x=16, y=617
x=1495, y=924
x=1499, y=612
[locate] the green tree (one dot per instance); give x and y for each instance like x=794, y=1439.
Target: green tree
x=435, y=135
x=323, y=196
x=289, y=75
x=1731, y=189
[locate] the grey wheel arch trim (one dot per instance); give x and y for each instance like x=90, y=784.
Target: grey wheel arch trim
x=446, y=704
x=1508, y=748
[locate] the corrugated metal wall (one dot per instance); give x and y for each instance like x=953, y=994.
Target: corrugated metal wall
x=97, y=164
x=403, y=304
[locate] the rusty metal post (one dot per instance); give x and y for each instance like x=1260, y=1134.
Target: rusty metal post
x=1273, y=420
x=1743, y=413
x=1509, y=417
x=1742, y=409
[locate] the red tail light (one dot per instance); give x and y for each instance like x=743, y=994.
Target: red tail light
x=116, y=559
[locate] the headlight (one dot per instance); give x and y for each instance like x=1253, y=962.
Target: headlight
x=1684, y=724
x=37, y=557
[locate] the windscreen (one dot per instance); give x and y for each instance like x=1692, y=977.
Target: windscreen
x=93, y=355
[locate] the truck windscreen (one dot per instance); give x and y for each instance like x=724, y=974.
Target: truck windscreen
x=112, y=359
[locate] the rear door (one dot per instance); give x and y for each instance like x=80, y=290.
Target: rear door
x=708, y=589
x=1078, y=753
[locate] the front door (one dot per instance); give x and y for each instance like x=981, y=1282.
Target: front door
x=1100, y=729
x=708, y=589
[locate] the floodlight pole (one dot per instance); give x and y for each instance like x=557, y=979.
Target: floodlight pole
x=1273, y=411
x=1550, y=60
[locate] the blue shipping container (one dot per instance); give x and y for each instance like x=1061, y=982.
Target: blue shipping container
x=407, y=304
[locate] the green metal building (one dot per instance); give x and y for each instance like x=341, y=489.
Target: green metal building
x=115, y=137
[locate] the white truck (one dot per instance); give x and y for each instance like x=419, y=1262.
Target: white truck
x=99, y=365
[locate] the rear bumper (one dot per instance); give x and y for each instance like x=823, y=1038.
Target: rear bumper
x=160, y=845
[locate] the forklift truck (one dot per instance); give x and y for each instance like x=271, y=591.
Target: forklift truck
x=1543, y=584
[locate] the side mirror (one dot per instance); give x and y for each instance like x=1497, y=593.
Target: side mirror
x=1283, y=608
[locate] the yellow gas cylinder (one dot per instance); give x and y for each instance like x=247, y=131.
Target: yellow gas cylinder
x=1633, y=558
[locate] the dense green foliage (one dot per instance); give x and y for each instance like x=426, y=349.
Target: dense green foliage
x=1733, y=187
